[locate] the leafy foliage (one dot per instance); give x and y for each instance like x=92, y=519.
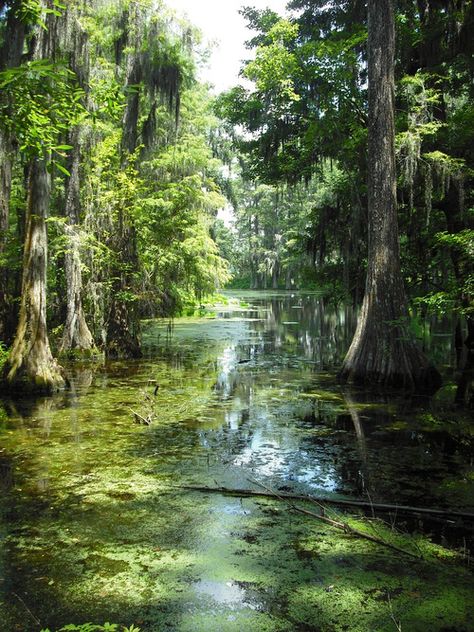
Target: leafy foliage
x=92, y=627
x=304, y=119
x=41, y=101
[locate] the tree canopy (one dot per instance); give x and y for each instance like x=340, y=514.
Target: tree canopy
x=141, y=158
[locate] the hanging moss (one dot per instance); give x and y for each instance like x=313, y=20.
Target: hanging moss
x=428, y=190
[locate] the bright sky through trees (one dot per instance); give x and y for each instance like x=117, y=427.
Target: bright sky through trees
x=220, y=22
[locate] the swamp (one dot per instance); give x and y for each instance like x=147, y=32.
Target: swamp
x=236, y=316
x=97, y=524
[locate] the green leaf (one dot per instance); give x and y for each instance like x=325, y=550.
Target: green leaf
x=60, y=168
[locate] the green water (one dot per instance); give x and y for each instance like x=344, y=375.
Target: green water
x=94, y=526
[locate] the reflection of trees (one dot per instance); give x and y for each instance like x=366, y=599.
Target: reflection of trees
x=321, y=330
x=362, y=454
x=465, y=386
x=320, y=336
x=285, y=438
x=398, y=466
x=358, y=424
x=81, y=378
x=35, y=416
x=7, y=477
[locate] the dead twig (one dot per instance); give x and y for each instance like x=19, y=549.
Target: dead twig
x=22, y=601
x=139, y=418
x=398, y=624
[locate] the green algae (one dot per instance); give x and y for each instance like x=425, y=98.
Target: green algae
x=324, y=396
x=94, y=528
x=363, y=588
x=460, y=490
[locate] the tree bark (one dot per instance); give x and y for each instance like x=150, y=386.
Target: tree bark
x=123, y=324
x=10, y=56
x=433, y=18
x=5, y=190
x=30, y=366
x=383, y=351
x=77, y=335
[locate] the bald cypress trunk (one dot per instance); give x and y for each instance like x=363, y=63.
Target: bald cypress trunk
x=383, y=351
x=30, y=365
x=75, y=40
x=77, y=335
x=123, y=323
x=10, y=56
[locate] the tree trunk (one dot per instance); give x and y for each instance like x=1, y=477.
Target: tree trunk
x=10, y=56
x=77, y=335
x=462, y=266
x=465, y=387
x=382, y=350
x=5, y=189
x=30, y=365
x=123, y=323
x=275, y=275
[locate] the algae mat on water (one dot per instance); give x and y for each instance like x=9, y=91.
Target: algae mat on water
x=191, y=563
x=93, y=528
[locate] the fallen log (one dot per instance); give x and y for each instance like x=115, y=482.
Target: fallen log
x=343, y=526
x=385, y=507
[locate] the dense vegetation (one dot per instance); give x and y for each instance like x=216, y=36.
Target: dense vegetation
x=105, y=155
x=305, y=125
x=112, y=154
x=345, y=164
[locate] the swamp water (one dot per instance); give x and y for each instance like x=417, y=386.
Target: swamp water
x=94, y=527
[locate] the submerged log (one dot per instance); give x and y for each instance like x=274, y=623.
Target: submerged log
x=287, y=498
x=384, y=507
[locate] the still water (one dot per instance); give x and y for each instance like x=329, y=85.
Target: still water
x=94, y=526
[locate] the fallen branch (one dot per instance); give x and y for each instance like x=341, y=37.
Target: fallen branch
x=333, y=501
x=22, y=601
x=140, y=419
x=343, y=526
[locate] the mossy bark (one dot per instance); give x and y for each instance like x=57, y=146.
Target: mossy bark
x=123, y=323
x=10, y=56
x=77, y=335
x=383, y=351
x=30, y=366
x=5, y=189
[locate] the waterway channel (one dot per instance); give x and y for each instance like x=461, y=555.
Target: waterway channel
x=94, y=525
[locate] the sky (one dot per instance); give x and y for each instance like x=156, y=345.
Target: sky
x=220, y=22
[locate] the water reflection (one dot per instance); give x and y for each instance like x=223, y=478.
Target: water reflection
x=88, y=498
x=286, y=419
